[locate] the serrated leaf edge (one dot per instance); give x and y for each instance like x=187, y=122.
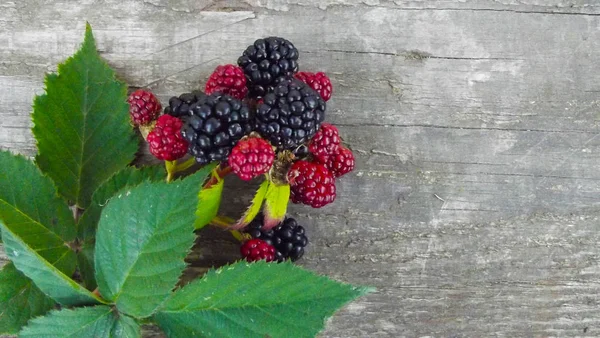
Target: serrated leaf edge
x=361, y=290
x=76, y=287
x=88, y=42
x=254, y=207
x=275, y=205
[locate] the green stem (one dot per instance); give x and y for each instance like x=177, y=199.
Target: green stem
x=186, y=164
x=174, y=167
x=226, y=223
x=217, y=175
x=171, y=167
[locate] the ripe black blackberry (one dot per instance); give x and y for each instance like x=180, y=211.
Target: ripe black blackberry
x=267, y=61
x=290, y=115
x=288, y=238
x=212, y=123
x=179, y=106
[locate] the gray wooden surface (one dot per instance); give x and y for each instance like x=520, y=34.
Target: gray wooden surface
x=474, y=206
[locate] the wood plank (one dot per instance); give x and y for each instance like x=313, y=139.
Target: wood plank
x=473, y=207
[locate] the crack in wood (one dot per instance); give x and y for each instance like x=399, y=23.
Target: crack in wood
x=434, y=126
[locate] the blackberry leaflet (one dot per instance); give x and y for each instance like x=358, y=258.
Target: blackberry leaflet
x=290, y=115
x=267, y=61
x=212, y=123
x=288, y=238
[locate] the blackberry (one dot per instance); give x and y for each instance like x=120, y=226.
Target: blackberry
x=165, y=140
x=256, y=249
x=251, y=157
x=227, y=79
x=288, y=238
x=320, y=82
x=341, y=163
x=290, y=115
x=179, y=106
x=266, y=62
x=325, y=143
x=311, y=184
x=144, y=107
x=212, y=123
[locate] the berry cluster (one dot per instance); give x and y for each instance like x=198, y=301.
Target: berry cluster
x=261, y=117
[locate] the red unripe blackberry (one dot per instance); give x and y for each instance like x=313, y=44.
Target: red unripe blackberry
x=144, y=107
x=320, y=82
x=341, y=163
x=251, y=157
x=165, y=140
x=227, y=79
x=256, y=249
x=325, y=143
x=311, y=183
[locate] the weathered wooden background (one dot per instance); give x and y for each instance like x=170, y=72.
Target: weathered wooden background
x=474, y=206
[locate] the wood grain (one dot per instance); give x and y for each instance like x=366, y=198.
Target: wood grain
x=474, y=206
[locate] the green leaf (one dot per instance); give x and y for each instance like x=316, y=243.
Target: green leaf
x=126, y=178
x=209, y=200
x=254, y=207
x=97, y=321
x=82, y=125
x=276, y=203
x=30, y=208
x=126, y=327
x=143, y=237
x=45, y=274
x=85, y=265
x=254, y=300
x=20, y=300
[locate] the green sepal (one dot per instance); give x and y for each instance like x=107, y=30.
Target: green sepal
x=276, y=203
x=254, y=207
x=209, y=200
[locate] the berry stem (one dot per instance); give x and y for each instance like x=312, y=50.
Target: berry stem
x=238, y=235
x=171, y=167
x=226, y=223
x=222, y=221
x=218, y=174
x=186, y=164
x=174, y=167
